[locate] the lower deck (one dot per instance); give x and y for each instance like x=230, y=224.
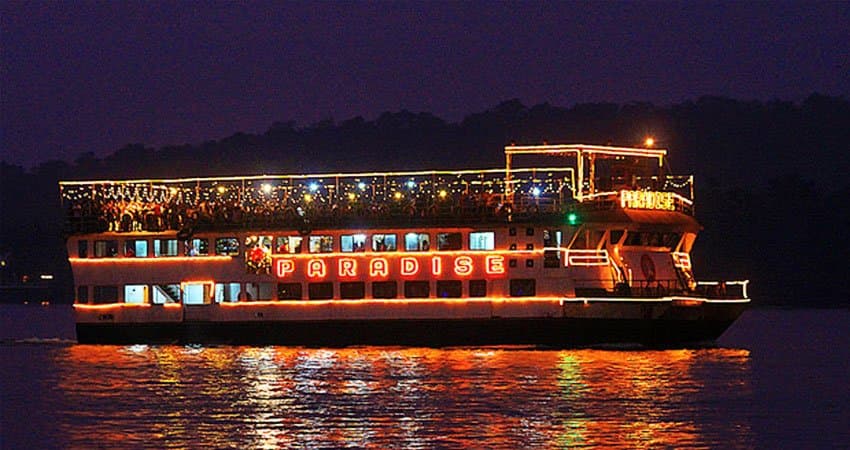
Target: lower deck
x=570, y=322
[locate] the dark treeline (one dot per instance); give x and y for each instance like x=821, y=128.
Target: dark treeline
x=772, y=186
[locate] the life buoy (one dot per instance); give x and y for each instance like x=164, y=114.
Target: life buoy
x=647, y=266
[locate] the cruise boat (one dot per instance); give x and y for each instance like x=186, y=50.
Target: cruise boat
x=567, y=245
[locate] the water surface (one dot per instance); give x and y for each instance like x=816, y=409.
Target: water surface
x=778, y=379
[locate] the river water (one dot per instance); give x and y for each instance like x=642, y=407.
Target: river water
x=777, y=379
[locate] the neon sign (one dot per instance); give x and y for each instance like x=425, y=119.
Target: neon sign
x=647, y=200
x=381, y=267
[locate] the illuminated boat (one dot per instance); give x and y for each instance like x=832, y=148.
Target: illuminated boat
x=581, y=245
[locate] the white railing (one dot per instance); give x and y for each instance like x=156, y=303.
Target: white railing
x=594, y=257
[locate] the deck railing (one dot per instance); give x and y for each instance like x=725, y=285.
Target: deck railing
x=331, y=199
x=713, y=290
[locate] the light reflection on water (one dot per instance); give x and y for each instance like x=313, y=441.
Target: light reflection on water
x=273, y=397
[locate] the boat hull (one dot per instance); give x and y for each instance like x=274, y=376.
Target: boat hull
x=674, y=327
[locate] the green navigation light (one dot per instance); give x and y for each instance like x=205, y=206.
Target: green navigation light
x=572, y=218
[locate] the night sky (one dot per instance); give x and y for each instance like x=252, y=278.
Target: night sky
x=93, y=76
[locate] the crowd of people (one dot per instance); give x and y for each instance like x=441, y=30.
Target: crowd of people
x=254, y=211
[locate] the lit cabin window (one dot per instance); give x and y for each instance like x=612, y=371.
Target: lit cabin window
x=227, y=292
x=288, y=244
x=258, y=254
x=258, y=291
x=449, y=241
x=321, y=244
x=551, y=238
x=165, y=293
x=136, y=248
x=417, y=242
x=105, y=249
x=352, y=243
x=197, y=247
x=135, y=293
x=83, y=249
x=196, y=293
x=482, y=240
x=164, y=247
x=384, y=243
x=227, y=246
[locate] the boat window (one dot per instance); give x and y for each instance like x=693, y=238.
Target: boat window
x=512, y=231
x=288, y=244
x=227, y=246
x=671, y=240
x=512, y=262
x=320, y=291
x=135, y=293
x=477, y=288
x=165, y=293
x=523, y=287
x=197, y=247
x=83, y=249
x=449, y=289
x=551, y=238
x=105, y=249
x=529, y=231
x=196, y=293
x=587, y=239
x=384, y=243
x=384, y=289
x=482, y=240
x=417, y=289
x=616, y=235
x=258, y=291
x=352, y=243
x=529, y=263
x=352, y=290
x=258, y=254
x=136, y=248
x=551, y=259
x=289, y=291
x=321, y=244
x=449, y=241
x=227, y=292
x=82, y=294
x=417, y=242
x=164, y=247
x=652, y=239
x=105, y=294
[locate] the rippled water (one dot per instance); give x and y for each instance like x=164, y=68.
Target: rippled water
x=779, y=379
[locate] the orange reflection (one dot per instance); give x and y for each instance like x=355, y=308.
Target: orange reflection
x=375, y=397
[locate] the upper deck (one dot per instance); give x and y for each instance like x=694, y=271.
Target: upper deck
x=557, y=180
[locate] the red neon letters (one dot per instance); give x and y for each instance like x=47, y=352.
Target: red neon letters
x=381, y=267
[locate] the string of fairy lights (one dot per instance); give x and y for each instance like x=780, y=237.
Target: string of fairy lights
x=529, y=186
x=322, y=189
